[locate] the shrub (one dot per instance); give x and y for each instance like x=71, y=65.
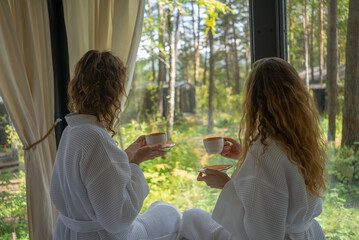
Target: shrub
x=343, y=169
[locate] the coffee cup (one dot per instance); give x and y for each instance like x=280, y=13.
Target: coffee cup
x=156, y=138
x=213, y=145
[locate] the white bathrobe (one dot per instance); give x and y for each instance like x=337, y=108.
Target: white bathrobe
x=266, y=200
x=99, y=194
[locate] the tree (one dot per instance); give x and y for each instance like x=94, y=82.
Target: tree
x=311, y=46
x=332, y=68
x=226, y=53
x=320, y=40
x=350, y=131
x=196, y=42
x=151, y=39
x=305, y=34
x=204, y=80
x=173, y=36
x=162, y=56
x=247, y=34
x=212, y=7
x=235, y=54
x=211, y=82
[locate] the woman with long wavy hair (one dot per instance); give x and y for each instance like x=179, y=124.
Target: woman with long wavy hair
x=274, y=192
x=97, y=188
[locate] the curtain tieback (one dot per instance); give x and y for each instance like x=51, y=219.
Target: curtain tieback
x=44, y=137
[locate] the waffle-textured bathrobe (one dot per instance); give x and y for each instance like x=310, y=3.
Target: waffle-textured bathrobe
x=98, y=193
x=266, y=200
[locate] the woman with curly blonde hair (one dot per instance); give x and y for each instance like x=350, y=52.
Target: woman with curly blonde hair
x=97, y=188
x=274, y=192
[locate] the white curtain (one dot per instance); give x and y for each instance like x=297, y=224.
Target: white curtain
x=26, y=80
x=105, y=25
x=26, y=77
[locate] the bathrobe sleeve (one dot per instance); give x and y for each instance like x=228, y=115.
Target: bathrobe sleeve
x=116, y=189
x=254, y=204
x=253, y=210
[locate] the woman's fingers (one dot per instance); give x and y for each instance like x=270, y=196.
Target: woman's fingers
x=231, y=140
x=212, y=171
x=200, y=177
x=156, y=153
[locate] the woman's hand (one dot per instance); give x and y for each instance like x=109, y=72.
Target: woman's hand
x=131, y=150
x=214, y=178
x=231, y=149
x=147, y=152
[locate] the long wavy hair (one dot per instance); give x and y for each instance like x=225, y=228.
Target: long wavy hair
x=278, y=105
x=98, y=87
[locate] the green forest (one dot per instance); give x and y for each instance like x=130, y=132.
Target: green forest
x=192, y=63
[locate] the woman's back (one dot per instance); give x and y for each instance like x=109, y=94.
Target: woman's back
x=268, y=198
x=90, y=181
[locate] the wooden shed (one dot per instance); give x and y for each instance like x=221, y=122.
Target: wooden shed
x=319, y=89
x=185, y=97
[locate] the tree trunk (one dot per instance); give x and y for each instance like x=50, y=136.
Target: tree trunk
x=211, y=83
x=151, y=49
x=226, y=54
x=196, y=48
x=171, y=89
x=236, y=60
x=247, y=34
x=187, y=74
x=305, y=32
x=320, y=39
x=162, y=59
x=350, y=131
x=289, y=25
x=312, y=29
x=204, y=81
x=332, y=68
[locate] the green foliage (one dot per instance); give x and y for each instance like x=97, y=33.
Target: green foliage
x=213, y=7
x=324, y=124
x=12, y=137
x=13, y=215
x=344, y=172
x=337, y=221
x=226, y=104
x=3, y=121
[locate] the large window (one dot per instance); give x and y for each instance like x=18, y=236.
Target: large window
x=192, y=63
x=208, y=71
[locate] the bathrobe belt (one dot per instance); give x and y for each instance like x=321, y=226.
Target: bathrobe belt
x=80, y=226
x=298, y=228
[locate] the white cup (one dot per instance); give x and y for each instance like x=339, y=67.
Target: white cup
x=156, y=138
x=213, y=145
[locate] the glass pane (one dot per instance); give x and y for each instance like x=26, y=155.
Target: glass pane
x=309, y=45
x=173, y=178
x=13, y=216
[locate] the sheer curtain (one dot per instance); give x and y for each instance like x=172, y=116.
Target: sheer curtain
x=113, y=25
x=26, y=81
x=26, y=77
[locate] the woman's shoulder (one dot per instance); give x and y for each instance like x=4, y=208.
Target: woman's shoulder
x=268, y=148
x=268, y=163
x=90, y=132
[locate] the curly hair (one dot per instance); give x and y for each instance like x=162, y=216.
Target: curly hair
x=278, y=105
x=97, y=87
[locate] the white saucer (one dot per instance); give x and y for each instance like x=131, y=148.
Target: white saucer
x=166, y=149
x=221, y=168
